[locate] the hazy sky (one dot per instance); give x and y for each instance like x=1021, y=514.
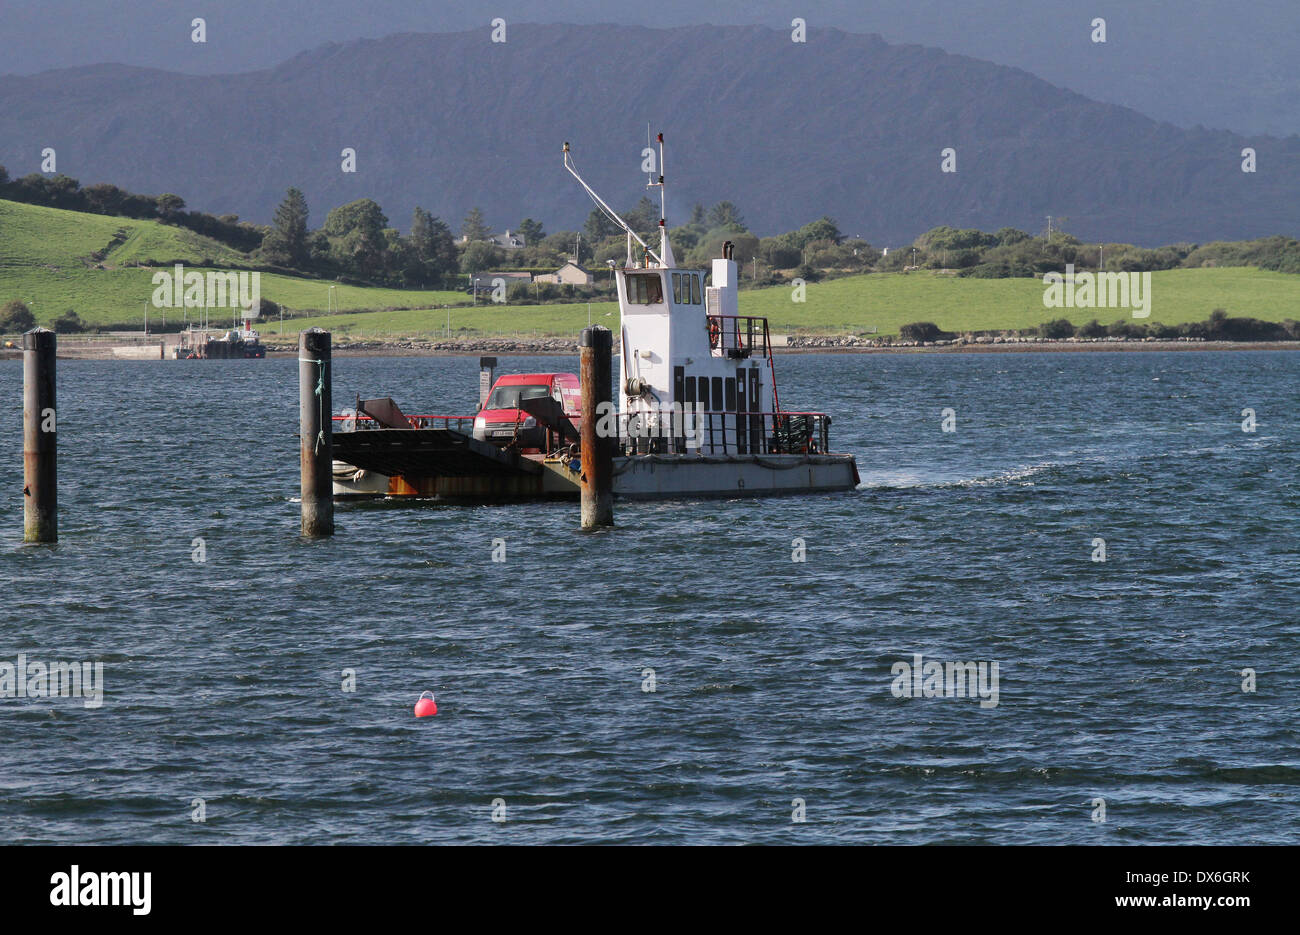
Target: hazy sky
x=1223, y=63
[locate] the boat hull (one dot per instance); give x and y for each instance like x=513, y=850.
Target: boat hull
x=656, y=477
x=636, y=477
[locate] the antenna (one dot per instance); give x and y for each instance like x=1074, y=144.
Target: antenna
x=663, y=204
x=665, y=248
x=606, y=209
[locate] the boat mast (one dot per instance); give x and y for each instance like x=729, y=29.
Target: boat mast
x=665, y=248
x=608, y=211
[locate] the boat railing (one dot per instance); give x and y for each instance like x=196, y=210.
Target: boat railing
x=361, y=422
x=717, y=432
x=739, y=336
x=690, y=432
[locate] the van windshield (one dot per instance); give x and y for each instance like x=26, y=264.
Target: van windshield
x=507, y=397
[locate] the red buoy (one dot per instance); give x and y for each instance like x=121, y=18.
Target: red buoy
x=426, y=706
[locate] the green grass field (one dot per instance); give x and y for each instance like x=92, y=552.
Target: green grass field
x=45, y=260
x=883, y=301
x=485, y=320
x=886, y=301
x=32, y=236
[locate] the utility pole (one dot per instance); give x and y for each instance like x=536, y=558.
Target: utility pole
x=1049, y=228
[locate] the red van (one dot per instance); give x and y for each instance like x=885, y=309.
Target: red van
x=502, y=422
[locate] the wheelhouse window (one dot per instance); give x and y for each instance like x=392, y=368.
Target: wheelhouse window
x=677, y=289
x=645, y=288
x=695, y=288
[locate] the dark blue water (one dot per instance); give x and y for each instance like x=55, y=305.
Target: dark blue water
x=1118, y=680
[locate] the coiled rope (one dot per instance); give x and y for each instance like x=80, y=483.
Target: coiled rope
x=320, y=400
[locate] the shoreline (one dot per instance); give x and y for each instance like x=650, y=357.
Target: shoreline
x=563, y=347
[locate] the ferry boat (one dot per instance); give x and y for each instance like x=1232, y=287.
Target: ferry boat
x=699, y=413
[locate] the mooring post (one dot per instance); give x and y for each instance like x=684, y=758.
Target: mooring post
x=316, y=438
x=486, y=368
x=40, y=438
x=597, y=452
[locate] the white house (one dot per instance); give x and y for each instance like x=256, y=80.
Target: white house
x=510, y=278
x=570, y=274
x=507, y=241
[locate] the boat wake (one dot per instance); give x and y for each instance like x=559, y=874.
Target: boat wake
x=911, y=480
x=1115, y=464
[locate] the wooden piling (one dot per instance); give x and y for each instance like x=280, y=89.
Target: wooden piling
x=40, y=438
x=597, y=481
x=316, y=437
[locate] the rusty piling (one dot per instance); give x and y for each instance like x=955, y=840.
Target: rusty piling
x=316, y=453
x=40, y=438
x=597, y=483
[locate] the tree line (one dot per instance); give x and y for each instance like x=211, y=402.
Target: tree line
x=62, y=191
x=356, y=242
x=1012, y=253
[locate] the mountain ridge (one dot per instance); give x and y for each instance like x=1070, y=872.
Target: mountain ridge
x=846, y=125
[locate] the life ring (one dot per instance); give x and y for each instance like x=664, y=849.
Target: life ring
x=715, y=332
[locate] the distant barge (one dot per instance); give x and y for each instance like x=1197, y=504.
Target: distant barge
x=236, y=344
